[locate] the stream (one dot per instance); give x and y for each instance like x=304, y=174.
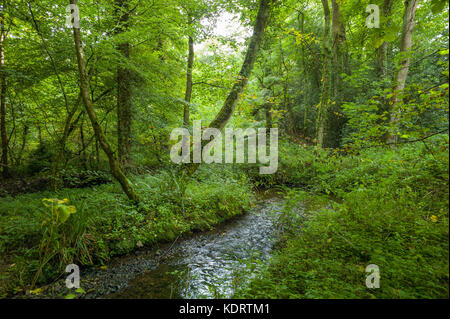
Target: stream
x=203, y=265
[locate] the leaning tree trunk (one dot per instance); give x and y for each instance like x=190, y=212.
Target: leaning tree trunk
x=322, y=117
x=114, y=165
x=232, y=99
x=4, y=138
x=190, y=64
x=227, y=110
x=402, y=72
x=123, y=87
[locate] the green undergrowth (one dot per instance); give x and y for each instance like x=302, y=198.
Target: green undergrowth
x=106, y=224
x=390, y=209
x=336, y=173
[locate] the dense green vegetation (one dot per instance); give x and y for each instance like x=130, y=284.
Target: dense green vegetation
x=86, y=115
x=105, y=224
x=390, y=209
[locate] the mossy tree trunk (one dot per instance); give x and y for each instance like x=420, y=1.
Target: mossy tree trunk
x=232, y=99
x=190, y=65
x=114, y=164
x=403, y=67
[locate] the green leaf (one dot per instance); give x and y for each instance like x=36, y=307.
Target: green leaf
x=80, y=291
x=64, y=212
x=437, y=5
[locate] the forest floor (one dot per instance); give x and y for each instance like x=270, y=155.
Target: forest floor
x=391, y=210
x=106, y=224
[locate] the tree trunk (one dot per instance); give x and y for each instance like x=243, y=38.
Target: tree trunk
x=39, y=134
x=24, y=143
x=227, y=110
x=303, y=80
x=232, y=99
x=383, y=49
x=69, y=125
x=338, y=31
x=60, y=157
x=4, y=138
x=68, y=128
x=123, y=87
x=83, y=154
x=322, y=116
x=382, y=58
x=190, y=65
x=402, y=72
x=336, y=122
x=268, y=117
x=97, y=155
x=114, y=164
x=301, y=23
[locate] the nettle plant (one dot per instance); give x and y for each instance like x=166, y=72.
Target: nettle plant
x=53, y=239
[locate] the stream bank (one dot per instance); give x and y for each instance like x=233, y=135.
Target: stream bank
x=201, y=265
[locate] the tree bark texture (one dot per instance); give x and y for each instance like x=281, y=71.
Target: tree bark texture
x=114, y=165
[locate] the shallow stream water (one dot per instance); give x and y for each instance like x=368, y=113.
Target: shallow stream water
x=209, y=265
